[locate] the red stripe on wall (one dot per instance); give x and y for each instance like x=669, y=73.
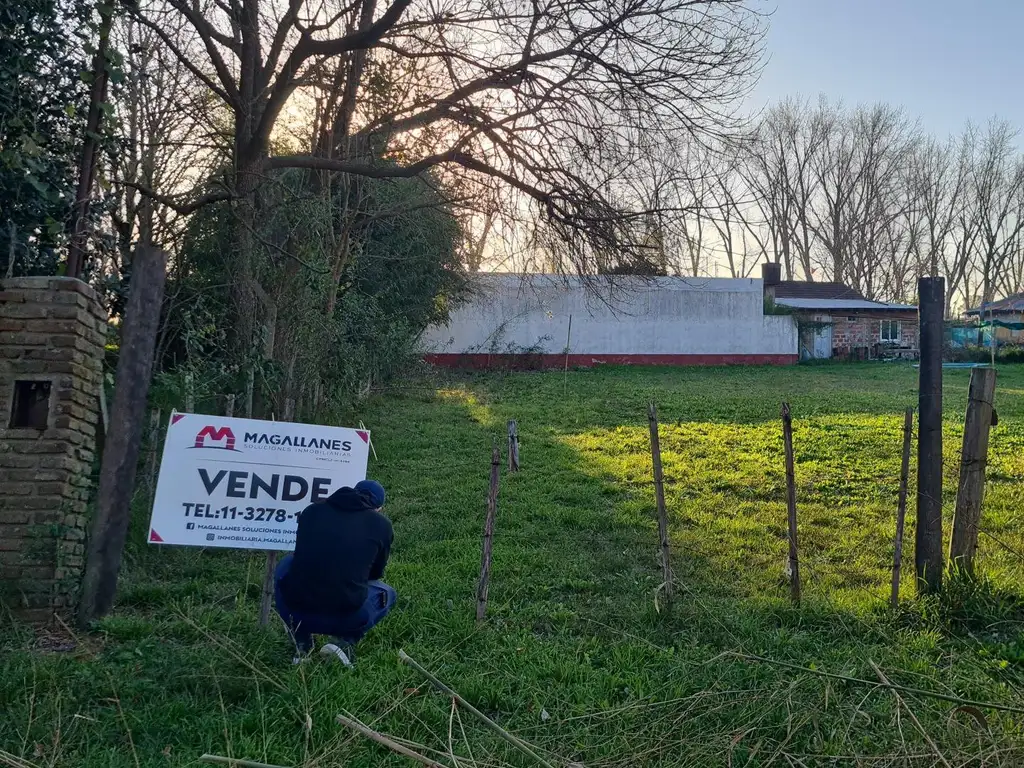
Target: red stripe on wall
x=548, y=361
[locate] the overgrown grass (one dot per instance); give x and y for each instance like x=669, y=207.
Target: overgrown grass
x=575, y=657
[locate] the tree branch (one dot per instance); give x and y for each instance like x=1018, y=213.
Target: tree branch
x=456, y=157
x=176, y=205
x=209, y=36
x=307, y=48
x=186, y=61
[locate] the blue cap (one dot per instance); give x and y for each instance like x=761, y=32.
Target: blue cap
x=373, y=490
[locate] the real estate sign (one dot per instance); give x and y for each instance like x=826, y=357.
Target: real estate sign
x=243, y=483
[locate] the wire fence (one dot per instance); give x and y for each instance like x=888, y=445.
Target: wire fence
x=821, y=570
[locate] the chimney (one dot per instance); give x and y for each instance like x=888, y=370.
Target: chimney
x=771, y=273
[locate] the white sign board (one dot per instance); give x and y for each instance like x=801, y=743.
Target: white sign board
x=243, y=483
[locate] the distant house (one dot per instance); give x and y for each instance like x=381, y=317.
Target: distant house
x=837, y=321
x=1008, y=310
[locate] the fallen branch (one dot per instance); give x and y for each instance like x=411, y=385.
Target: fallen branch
x=519, y=744
x=893, y=686
x=235, y=762
x=913, y=717
x=383, y=740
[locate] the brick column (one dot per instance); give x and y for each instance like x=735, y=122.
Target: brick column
x=52, y=334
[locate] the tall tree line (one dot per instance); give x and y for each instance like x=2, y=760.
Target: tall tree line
x=864, y=197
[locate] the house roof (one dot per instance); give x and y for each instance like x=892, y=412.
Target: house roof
x=1013, y=303
x=800, y=294
x=800, y=289
x=845, y=304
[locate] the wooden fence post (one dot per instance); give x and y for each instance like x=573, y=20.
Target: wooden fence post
x=267, y=593
x=513, y=446
x=485, y=560
x=973, y=459
x=565, y=373
x=928, y=545
x=659, y=496
x=901, y=507
x=794, y=560
x=124, y=434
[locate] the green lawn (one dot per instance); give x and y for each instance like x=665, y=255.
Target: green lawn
x=575, y=657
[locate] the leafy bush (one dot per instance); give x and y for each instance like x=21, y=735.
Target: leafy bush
x=348, y=311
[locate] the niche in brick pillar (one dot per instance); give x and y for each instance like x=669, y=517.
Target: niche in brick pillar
x=52, y=334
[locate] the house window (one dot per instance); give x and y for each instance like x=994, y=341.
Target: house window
x=890, y=331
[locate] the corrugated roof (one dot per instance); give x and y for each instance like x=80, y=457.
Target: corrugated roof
x=1013, y=303
x=800, y=289
x=861, y=304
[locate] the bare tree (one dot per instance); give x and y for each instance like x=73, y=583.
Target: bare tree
x=171, y=139
x=768, y=173
x=939, y=180
x=885, y=140
x=862, y=197
x=730, y=212
x=550, y=98
x=998, y=191
x=690, y=239
x=860, y=176
x=778, y=168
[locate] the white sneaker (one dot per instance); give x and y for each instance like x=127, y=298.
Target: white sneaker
x=330, y=649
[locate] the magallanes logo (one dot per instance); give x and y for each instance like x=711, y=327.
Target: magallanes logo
x=222, y=438
x=302, y=443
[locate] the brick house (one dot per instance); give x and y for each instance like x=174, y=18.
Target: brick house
x=837, y=321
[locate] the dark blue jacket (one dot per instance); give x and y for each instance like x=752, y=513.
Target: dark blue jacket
x=341, y=544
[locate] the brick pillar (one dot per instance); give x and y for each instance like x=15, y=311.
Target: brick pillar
x=52, y=333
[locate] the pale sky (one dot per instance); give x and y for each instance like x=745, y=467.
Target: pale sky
x=946, y=61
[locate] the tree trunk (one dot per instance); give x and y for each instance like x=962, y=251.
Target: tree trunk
x=90, y=145
x=244, y=289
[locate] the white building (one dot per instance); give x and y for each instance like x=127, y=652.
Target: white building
x=525, y=320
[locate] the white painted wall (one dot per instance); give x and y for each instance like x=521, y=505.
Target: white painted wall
x=666, y=315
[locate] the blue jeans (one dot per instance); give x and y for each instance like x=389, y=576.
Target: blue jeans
x=351, y=628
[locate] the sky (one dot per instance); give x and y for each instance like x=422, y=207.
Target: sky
x=945, y=61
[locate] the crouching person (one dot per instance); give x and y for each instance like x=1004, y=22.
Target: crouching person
x=331, y=584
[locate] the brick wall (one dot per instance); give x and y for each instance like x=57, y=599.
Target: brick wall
x=52, y=331
x=850, y=332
